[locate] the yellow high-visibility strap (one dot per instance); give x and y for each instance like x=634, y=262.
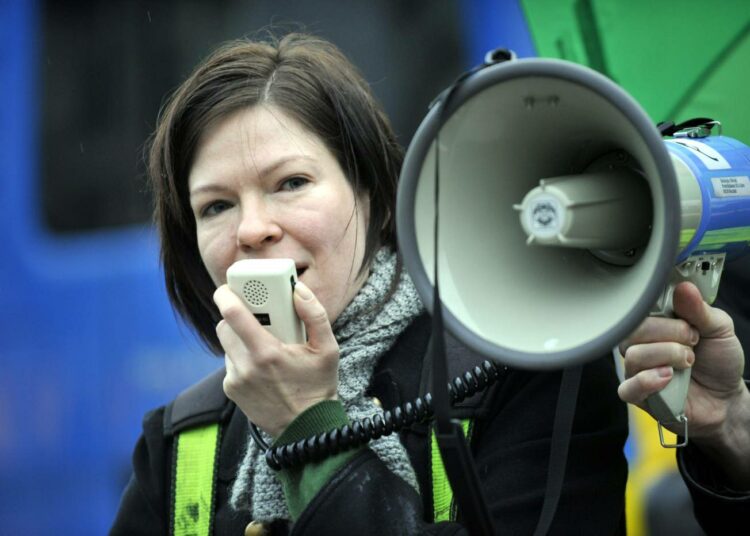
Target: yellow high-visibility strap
x=442, y=494
x=194, y=481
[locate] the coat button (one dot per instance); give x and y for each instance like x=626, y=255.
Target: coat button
x=255, y=529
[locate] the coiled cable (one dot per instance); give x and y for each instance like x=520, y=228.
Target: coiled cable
x=347, y=437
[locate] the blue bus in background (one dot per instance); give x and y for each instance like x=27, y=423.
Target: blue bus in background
x=88, y=340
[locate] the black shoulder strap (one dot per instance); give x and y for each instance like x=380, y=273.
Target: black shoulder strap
x=558, y=457
x=202, y=403
x=461, y=359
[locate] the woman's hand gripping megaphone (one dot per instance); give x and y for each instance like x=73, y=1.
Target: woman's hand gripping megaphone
x=699, y=344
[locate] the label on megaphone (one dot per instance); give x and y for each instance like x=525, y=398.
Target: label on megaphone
x=731, y=186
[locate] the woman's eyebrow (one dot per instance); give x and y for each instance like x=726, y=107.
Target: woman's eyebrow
x=209, y=188
x=283, y=161
x=263, y=172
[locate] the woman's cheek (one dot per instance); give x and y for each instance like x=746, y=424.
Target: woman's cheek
x=217, y=253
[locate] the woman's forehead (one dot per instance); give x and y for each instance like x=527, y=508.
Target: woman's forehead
x=258, y=127
x=261, y=138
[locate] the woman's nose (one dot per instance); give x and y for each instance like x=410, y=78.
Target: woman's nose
x=257, y=227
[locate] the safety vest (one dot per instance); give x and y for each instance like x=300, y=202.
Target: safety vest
x=194, y=480
x=196, y=456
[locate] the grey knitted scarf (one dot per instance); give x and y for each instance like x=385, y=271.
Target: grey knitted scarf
x=365, y=330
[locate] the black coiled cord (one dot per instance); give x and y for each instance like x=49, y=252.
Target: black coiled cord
x=347, y=437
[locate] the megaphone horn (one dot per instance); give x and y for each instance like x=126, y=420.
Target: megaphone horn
x=540, y=152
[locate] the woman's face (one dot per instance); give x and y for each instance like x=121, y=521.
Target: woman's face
x=262, y=186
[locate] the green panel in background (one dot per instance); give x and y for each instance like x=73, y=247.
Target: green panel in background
x=679, y=59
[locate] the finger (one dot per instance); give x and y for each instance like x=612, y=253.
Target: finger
x=231, y=371
x=647, y=382
x=230, y=341
x=232, y=383
x=229, y=366
x=709, y=321
x=659, y=329
x=242, y=321
x=313, y=314
x=649, y=356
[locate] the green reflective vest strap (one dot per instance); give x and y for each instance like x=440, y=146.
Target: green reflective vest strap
x=194, y=481
x=442, y=495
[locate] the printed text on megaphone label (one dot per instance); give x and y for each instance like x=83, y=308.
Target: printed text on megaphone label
x=731, y=186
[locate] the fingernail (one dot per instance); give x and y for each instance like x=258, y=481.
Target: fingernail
x=694, y=336
x=690, y=358
x=302, y=291
x=664, y=372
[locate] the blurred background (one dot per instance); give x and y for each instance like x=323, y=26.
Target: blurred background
x=88, y=342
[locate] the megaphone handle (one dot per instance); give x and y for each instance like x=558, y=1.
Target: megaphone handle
x=668, y=406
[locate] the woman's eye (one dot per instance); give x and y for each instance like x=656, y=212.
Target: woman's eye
x=212, y=209
x=293, y=183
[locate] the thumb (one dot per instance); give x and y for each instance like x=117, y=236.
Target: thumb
x=313, y=314
x=688, y=304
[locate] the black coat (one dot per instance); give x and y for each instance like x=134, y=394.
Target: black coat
x=720, y=510
x=510, y=443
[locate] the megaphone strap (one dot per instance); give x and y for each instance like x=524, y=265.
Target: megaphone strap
x=558, y=456
x=457, y=461
x=669, y=128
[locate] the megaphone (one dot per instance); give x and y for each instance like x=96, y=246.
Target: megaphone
x=562, y=213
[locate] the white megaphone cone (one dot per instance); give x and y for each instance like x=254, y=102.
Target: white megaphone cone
x=544, y=129
x=562, y=216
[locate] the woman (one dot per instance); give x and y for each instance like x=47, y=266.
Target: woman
x=279, y=150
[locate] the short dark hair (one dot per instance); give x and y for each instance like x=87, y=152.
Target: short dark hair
x=312, y=81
